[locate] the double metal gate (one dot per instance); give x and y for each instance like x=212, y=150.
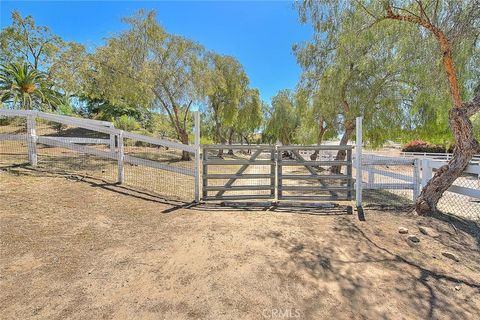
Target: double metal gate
x=245, y=172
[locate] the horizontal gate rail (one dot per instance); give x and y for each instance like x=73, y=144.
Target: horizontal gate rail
x=314, y=188
x=240, y=174
x=238, y=162
x=322, y=147
x=316, y=177
x=238, y=197
x=327, y=182
x=242, y=187
x=314, y=163
x=317, y=198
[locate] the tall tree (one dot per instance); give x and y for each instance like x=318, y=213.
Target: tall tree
x=228, y=84
x=148, y=68
x=250, y=116
x=25, y=41
x=349, y=75
x=284, y=119
x=449, y=29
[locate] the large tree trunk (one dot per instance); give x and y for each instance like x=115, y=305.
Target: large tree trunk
x=321, y=132
x=465, y=148
x=230, y=140
x=184, y=139
x=349, y=128
x=459, y=118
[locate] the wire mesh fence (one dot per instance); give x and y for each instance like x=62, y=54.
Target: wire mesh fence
x=166, y=182
x=58, y=149
x=392, y=181
x=14, y=150
x=459, y=204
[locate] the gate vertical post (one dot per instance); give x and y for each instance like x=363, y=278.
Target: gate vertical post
x=349, y=174
x=273, y=172
x=197, y=156
x=279, y=173
x=32, y=140
x=120, y=158
x=416, y=179
x=204, y=172
x=358, y=160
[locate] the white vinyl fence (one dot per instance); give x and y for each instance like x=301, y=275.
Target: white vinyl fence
x=405, y=177
x=433, y=156
x=140, y=160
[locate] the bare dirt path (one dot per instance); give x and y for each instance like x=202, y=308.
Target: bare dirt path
x=86, y=250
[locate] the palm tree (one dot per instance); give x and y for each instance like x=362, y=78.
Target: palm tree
x=24, y=87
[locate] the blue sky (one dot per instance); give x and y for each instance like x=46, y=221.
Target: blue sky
x=259, y=34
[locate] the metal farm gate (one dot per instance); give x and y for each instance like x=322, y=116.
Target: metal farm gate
x=234, y=171
x=246, y=172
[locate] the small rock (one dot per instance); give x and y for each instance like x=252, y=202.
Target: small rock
x=402, y=230
x=457, y=288
x=429, y=232
x=450, y=256
x=413, y=238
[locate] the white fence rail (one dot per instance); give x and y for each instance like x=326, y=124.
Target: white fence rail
x=434, y=156
x=398, y=180
x=429, y=165
x=115, y=141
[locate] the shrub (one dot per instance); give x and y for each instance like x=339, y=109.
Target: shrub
x=126, y=123
x=422, y=146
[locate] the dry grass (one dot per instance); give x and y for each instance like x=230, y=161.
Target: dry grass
x=85, y=249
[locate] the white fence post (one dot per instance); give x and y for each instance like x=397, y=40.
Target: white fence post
x=358, y=159
x=32, y=140
x=416, y=179
x=112, y=140
x=426, y=172
x=120, y=158
x=197, y=156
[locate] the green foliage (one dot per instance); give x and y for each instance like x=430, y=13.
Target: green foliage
x=284, y=120
x=126, y=123
x=23, y=87
x=391, y=73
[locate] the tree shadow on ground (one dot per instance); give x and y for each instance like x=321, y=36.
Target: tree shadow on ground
x=273, y=207
x=375, y=280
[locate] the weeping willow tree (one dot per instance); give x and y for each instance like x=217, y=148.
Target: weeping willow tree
x=436, y=46
x=284, y=121
x=228, y=84
x=350, y=76
x=145, y=67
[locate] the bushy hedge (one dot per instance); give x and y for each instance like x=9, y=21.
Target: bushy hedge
x=422, y=146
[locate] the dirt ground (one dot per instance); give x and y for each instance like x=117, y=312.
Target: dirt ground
x=83, y=249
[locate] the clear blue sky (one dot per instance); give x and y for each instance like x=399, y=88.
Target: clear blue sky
x=259, y=34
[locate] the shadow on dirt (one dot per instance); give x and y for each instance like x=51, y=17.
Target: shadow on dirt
x=365, y=268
